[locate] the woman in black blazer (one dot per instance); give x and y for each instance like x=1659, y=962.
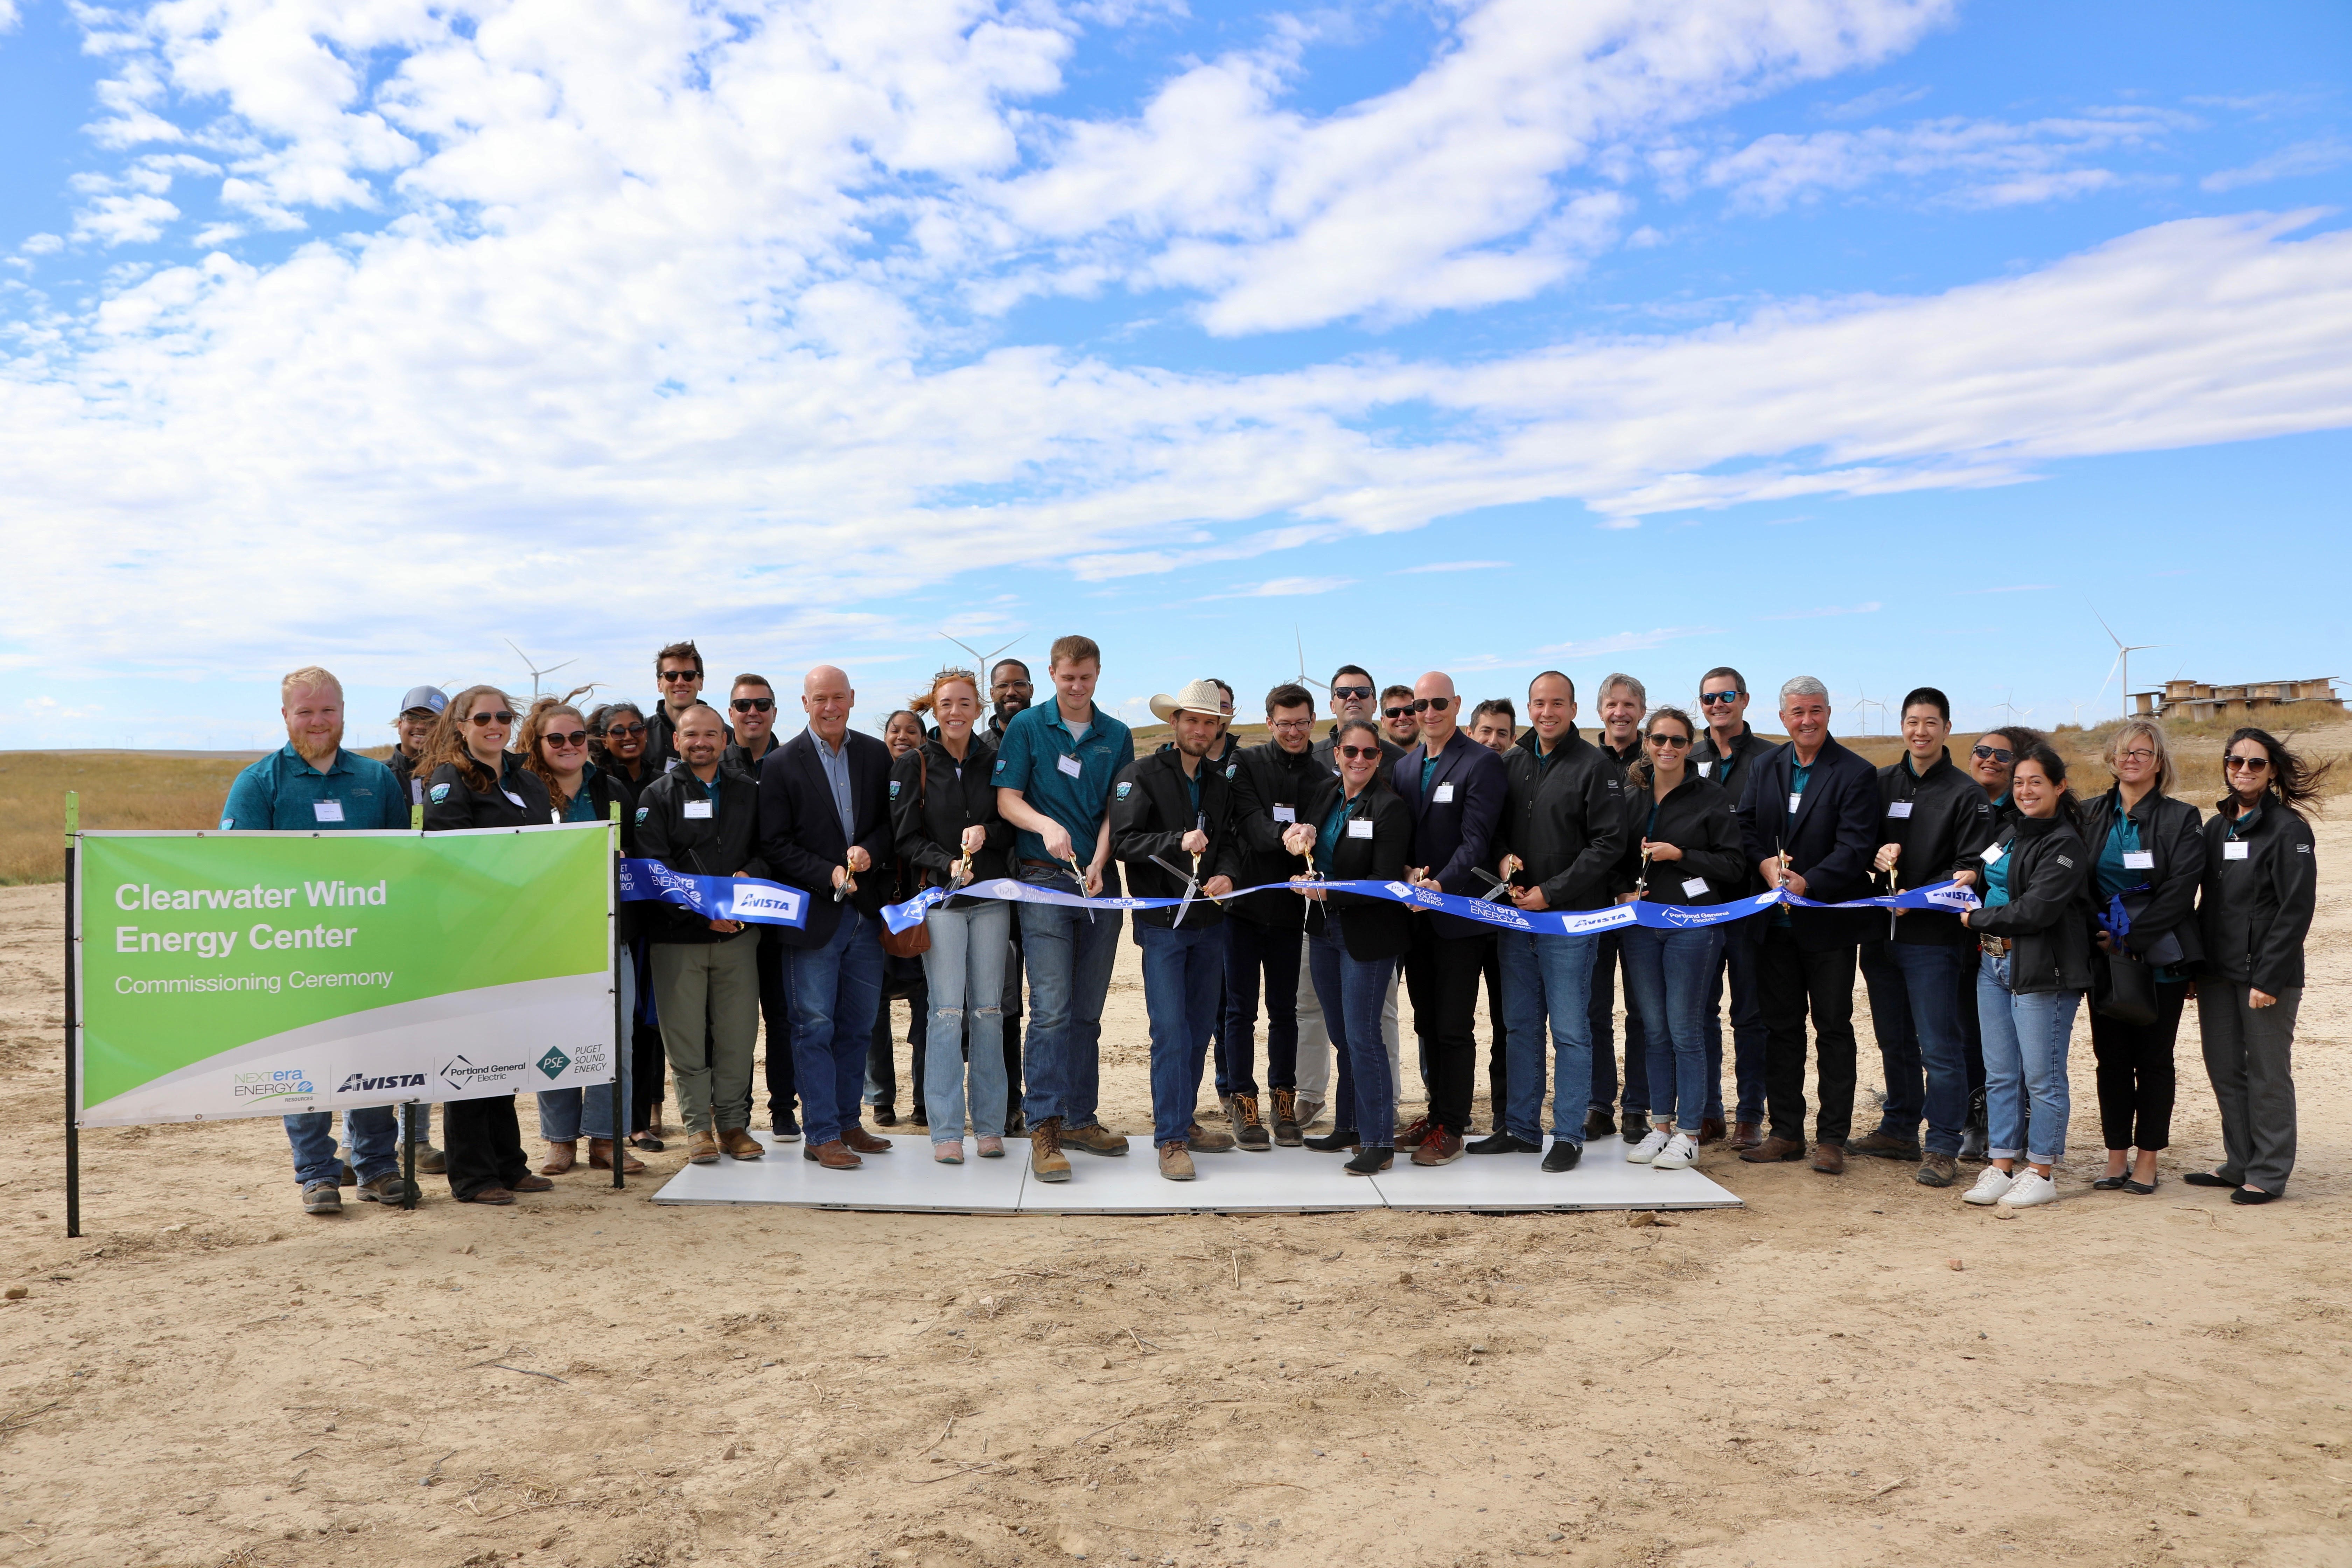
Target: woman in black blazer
x=1355, y=828
x=473, y=780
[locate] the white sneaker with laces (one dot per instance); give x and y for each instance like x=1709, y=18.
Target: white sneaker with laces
x=1990, y=1187
x=2029, y=1190
x=1680, y=1151
x=1648, y=1148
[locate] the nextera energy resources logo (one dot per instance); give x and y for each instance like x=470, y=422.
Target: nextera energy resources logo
x=279, y=1083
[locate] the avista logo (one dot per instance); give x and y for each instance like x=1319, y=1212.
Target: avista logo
x=361, y=1083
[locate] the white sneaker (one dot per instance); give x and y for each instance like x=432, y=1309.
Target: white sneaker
x=2029, y=1190
x=1679, y=1154
x=1648, y=1148
x=1990, y=1187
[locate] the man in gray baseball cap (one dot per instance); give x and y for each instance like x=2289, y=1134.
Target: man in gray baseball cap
x=417, y=710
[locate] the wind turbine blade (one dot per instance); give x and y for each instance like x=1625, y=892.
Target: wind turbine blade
x=552, y=668
x=2107, y=628
x=966, y=646
x=2111, y=674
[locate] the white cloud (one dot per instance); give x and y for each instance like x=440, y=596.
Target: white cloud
x=1870, y=608
x=1967, y=162
x=2314, y=157
x=1451, y=566
x=124, y=219
x=1288, y=588
x=1620, y=642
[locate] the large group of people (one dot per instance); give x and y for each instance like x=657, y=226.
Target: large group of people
x=2121, y=897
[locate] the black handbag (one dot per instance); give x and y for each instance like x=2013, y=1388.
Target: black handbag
x=2124, y=989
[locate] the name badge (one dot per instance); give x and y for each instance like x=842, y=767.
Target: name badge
x=697, y=810
x=328, y=810
x=1704, y=768
x=1445, y=794
x=1993, y=853
x=1795, y=800
x=1695, y=888
x=1898, y=808
x=1359, y=827
x=2139, y=860
x=1286, y=813
x=2235, y=850
x=1068, y=765
x=511, y=795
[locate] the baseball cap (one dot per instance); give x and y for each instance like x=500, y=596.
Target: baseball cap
x=430, y=698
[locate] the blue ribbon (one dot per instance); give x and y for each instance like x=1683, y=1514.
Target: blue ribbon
x=745, y=898
x=1945, y=896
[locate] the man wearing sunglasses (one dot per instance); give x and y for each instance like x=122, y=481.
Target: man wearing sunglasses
x=1726, y=755
x=753, y=702
x=1454, y=789
x=1353, y=696
x=1399, y=720
x=677, y=675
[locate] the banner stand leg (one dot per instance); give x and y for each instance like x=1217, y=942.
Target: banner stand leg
x=408, y=1156
x=73, y=1022
x=620, y=1024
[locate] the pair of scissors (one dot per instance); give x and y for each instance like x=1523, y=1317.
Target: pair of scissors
x=1078, y=872
x=1642, y=883
x=1498, y=888
x=1192, y=883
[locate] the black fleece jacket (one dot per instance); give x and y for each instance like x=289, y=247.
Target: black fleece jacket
x=721, y=843
x=1697, y=819
x=1940, y=818
x=2255, y=912
x=517, y=798
x=2048, y=916
x=1150, y=811
x=1370, y=927
x=2171, y=832
x=930, y=807
x=1565, y=819
x=1268, y=785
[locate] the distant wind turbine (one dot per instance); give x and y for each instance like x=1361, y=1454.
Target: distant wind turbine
x=2010, y=711
x=1863, y=702
x=1303, y=679
x=2123, y=660
x=536, y=671
x=981, y=661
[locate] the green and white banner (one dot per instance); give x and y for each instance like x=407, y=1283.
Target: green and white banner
x=255, y=974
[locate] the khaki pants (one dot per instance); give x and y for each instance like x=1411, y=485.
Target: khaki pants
x=709, y=997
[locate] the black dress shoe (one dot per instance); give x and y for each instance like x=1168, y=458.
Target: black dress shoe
x=1504, y=1143
x=1339, y=1141
x=2254, y=1195
x=2142, y=1188
x=2206, y=1179
x=1599, y=1123
x=1634, y=1127
x=885, y=1116
x=1370, y=1160
x=2108, y=1184
x=1562, y=1156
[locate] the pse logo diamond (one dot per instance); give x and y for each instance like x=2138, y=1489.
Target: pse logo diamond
x=554, y=1063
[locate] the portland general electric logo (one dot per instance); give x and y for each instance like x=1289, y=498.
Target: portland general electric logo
x=554, y=1063
x=470, y=1077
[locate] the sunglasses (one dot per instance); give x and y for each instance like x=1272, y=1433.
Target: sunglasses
x=1394, y=713
x=1432, y=705
x=2246, y=764
x=624, y=731
x=1355, y=752
x=501, y=717
x=752, y=704
x=1709, y=699
x=681, y=675
x=553, y=740
x=1993, y=755
x=1351, y=693
x=1670, y=740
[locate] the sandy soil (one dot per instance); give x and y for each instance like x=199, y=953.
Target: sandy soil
x=1854, y=1370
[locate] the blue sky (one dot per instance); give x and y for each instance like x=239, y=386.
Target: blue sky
x=1888, y=340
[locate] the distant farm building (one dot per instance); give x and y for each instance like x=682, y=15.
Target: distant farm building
x=2194, y=699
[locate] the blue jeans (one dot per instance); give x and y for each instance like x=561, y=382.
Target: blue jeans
x=1914, y=1010
x=1667, y=972
x=1183, y=977
x=375, y=1143
x=1601, y=1012
x=966, y=960
x=2025, y=1041
x=1352, y=992
x=1069, y=958
x=1747, y=1028
x=1548, y=979
x=562, y=1117
x=835, y=990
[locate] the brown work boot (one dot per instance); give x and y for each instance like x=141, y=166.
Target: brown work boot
x=600, y=1158
x=1248, y=1131
x=1772, y=1151
x=1208, y=1142
x=530, y=1184
x=833, y=1154
x=1745, y=1134
x=702, y=1148
x=1884, y=1146
x=738, y=1144
x=1936, y=1171
x=562, y=1155
x=1829, y=1159
x=1710, y=1131
x=1285, y=1118
x=1094, y=1138
x=1176, y=1162
x=1439, y=1146
x=863, y=1141
x=1046, y=1161
x=1414, y=1131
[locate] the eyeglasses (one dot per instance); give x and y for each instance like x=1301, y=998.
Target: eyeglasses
x=752, y=704
x=2141, y=755
x=623, y=731
x=1993, y=755
x=501, y=717
x=1709, y=699
x=1434, y=704
x=681, y=675
x=1016, y=686
x=2246, y=764
x=553, y=740
x=1354, y=753
x=1670, y=740
x=1351, y=693
x=1292, y=726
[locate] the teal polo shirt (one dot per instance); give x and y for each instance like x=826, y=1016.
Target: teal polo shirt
x=283, y=793
x=1030, y=759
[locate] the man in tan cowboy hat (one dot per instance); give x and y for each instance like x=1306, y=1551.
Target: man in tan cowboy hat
x=1171, y=826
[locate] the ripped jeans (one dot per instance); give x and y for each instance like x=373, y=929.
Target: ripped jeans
x=966, y=959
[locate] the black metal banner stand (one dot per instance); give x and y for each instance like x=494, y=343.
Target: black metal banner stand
x=620, y=1038
x=73, y=1016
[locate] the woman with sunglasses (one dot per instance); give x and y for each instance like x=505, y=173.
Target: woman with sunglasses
x=1681, y=847
x=1994, y=757
x=616, y=744
x=2262, y=883
x=2034, y=963
x=2147, y=858
x=1354, y=827
x=473, y=780
x=902, y=978
x=555, y=746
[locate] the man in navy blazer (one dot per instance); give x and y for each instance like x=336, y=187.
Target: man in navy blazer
x=1456, y=789
x=824, y=822
x=1808, y=815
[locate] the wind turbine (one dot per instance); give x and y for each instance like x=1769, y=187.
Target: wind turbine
x=1863, y=702
x=981, y=661
x=2123, y=660
x=535, y=670
x=1303, y=679
x=2009, y=711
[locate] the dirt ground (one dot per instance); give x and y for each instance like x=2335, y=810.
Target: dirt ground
x=1849, y=1371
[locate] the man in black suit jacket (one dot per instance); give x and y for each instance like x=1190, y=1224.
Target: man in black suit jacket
x=1454, y=787
x=1809, y=817
x=825, y=824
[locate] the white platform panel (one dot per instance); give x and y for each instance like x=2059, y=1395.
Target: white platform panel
x=1281, y=1181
